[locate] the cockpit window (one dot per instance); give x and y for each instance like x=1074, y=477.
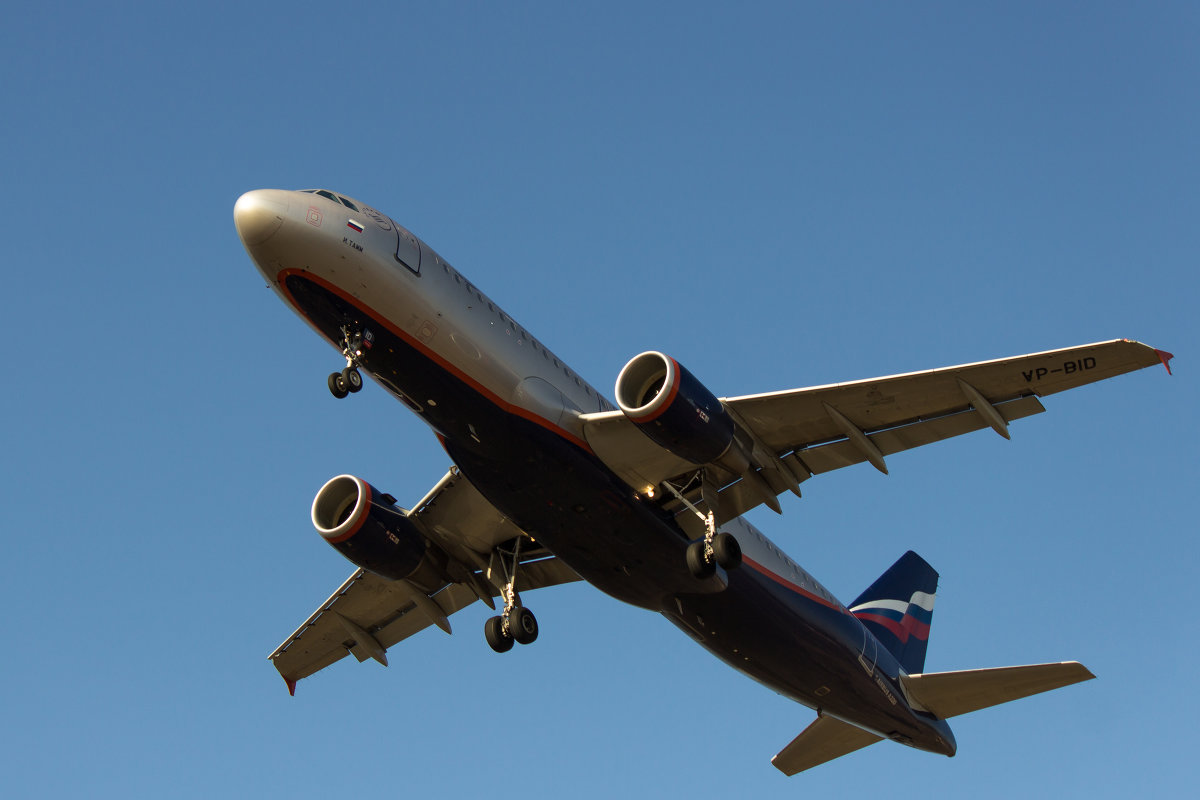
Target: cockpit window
x=337, y=198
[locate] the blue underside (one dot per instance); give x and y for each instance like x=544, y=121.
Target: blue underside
x=631, y=549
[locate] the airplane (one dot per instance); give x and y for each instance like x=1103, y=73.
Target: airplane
x=553, y=483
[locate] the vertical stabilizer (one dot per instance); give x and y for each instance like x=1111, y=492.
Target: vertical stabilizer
x=898, y=609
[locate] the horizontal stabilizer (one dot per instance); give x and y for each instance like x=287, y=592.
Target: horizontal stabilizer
x=948, y=694
x=824, y=740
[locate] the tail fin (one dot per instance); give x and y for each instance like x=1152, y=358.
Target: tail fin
x=898, y=609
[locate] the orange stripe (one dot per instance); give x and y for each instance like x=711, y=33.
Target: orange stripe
x=431, y=354
x=794, y=587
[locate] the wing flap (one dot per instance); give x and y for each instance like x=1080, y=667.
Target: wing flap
x=949, y=694
x=825, y=739
x=834, y=455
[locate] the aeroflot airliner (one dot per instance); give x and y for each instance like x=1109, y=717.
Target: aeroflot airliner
x=551, y=483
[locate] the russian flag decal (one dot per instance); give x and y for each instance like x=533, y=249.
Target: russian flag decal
x=354, y=226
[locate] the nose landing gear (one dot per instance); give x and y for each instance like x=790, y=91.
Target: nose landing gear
x=345, y=382
x=349, y=380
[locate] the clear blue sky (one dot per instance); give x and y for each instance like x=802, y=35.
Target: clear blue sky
x=779, y=195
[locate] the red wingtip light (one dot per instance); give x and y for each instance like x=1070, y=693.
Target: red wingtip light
x=1165, y=358
x=291, y=684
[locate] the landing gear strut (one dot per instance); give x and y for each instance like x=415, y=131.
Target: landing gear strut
x=704, y=555
x=516, y=623
x=349, y=380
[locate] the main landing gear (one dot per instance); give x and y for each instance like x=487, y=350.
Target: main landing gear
x=715, y=549
x=704, y=555
x=516, y=623
x=349, y=380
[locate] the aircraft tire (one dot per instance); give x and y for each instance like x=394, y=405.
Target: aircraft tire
x=337, y=385
x=353, y=379
x=698, y=565
x=493, y=631
x=523, y=625
x=727, y=550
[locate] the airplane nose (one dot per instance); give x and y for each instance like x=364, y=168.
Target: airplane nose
x=258, y=214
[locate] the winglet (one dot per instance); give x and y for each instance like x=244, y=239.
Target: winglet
x=291, y=684
x=1165, y=358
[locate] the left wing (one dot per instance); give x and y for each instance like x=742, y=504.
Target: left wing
x=815, y=430
x=368, y=614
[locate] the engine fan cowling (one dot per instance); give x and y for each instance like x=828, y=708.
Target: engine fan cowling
x=362, y=524
x=669, y=405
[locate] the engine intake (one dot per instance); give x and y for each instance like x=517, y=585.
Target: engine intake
x=669, y=405
x=366, y=527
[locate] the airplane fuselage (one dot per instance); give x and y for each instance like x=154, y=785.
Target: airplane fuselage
x=507, y=411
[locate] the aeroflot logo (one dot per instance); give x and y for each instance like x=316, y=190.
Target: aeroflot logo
x=900, y=618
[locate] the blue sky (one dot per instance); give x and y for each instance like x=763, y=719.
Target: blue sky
x=778, y=195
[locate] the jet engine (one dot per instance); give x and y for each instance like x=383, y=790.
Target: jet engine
x=366, y=527
x=674, y=409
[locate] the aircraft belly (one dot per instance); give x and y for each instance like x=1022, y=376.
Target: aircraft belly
x=546, y=482
x=803, y=650
x=552, y=487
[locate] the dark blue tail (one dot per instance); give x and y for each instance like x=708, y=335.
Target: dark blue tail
x=898, y=609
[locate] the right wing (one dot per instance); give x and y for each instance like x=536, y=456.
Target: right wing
x=948, y=694
x=806, y=432
x=368, y=614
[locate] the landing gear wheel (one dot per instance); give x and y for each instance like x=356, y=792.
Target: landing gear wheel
x=523, y=625
x=337, y=385
x=698, y=565
x=352, y=378
x=727, y=551
x=493, y=631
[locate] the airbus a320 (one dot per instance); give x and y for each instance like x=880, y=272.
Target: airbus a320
x=643, y=499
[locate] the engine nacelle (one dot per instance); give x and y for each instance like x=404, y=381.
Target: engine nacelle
x=366, y=527
x=674, y=409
